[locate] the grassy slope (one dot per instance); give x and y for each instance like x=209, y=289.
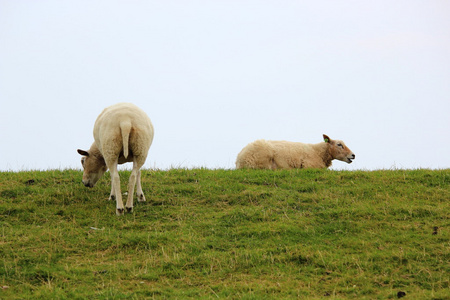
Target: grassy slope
x=228, y=233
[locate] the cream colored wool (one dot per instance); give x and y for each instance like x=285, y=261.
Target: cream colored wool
x=263, y=154
x=122, y=133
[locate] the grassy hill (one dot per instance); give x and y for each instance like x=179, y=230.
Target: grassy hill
x=228, y=234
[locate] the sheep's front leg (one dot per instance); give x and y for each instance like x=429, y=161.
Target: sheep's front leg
x=139, y=192
x=115, y=189
x=112, y=195
x=131, y=185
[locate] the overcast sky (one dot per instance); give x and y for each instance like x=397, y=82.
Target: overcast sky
x=216, y=75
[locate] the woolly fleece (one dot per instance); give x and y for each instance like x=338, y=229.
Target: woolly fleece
x=122, y=133
x=264, y=154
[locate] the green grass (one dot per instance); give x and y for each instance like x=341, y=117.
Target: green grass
x=251, y=234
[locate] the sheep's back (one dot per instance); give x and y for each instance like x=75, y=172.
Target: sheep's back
x=107, y=130
x=256, y=155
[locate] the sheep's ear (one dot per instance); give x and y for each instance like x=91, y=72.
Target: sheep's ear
x=82, y=152
x=326, y=138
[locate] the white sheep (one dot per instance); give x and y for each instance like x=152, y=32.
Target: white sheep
x=122, y=133
x=262, y=154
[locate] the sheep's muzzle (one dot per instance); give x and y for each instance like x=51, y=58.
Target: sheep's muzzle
x=350, y=158
x=88, y=184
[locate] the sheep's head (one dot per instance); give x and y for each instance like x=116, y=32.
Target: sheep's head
x=93, y=164
x=339, y=150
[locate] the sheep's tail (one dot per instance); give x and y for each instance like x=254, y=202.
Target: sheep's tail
x=125, y=128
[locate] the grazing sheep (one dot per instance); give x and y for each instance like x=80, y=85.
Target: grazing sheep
x=122, y=133
x=262, y=154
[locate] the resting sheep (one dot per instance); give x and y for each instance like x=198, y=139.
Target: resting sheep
x=262, y=154
x=122, y=133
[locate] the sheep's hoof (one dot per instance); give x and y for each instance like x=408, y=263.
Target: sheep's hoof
x=119, y=211
x=129, y=209
x=141, y=198
x=112, y=197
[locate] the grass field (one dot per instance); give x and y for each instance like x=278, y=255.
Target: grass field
x=251, y=234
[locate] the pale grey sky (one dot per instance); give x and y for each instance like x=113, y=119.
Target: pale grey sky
x=216, y=75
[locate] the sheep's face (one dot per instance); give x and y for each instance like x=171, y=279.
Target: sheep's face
x=94, y=167
x=339, y=150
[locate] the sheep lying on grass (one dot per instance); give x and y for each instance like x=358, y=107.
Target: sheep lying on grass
x=122, y=133
x=262, y=154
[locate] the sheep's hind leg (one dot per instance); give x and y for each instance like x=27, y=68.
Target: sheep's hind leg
x=115, y=189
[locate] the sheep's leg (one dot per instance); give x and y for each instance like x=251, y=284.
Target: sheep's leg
x=112, y=195
x=135, y=178
x=115, y=189
x=131, y=185
x=139, y=192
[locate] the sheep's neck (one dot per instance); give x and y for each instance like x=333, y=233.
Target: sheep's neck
x=324, y=152
x=94, y=151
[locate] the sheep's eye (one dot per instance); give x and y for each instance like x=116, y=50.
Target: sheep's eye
x=82, y=161
x=340, y=145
